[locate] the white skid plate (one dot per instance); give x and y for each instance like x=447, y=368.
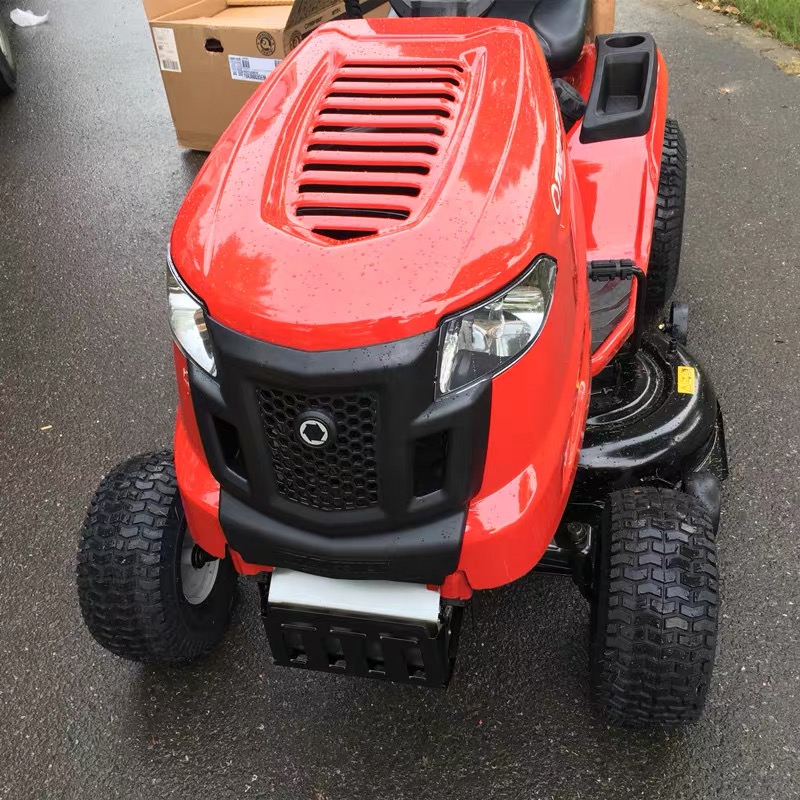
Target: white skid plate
x=407, y=602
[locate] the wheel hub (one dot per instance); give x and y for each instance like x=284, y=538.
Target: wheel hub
x=198, y=571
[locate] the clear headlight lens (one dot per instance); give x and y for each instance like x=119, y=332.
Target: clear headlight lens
x=483, y=341
x=188, y=323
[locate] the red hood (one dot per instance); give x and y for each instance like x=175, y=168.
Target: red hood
x=448, y=218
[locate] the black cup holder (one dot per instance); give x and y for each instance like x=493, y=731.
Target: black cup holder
x=623, y=90
x=623, y=42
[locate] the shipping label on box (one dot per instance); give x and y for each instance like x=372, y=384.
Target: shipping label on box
x=249, y=68
x=167, y=49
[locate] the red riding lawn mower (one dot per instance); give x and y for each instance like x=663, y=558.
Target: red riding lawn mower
x=417, y=294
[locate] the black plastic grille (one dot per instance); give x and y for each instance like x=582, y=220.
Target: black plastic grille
x=340, y=477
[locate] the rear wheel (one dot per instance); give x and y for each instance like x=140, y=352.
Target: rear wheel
x=654, y=617
x=665, y=251
x=8, y=64
x=147, y=591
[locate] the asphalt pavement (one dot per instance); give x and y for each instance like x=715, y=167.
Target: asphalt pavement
x=90, y=178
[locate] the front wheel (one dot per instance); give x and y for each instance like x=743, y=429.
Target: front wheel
x=147, y=591
x=654, y=618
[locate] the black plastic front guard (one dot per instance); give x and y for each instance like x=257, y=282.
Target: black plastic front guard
x=366, y=647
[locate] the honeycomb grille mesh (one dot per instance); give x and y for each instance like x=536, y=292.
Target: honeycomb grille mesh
x=340, y=477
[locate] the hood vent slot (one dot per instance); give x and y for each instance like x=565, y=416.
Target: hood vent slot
x=410, y=191
x=419, y=170
x=374, y=141
x=385, y=112
x=434, y=130
x=369, y=148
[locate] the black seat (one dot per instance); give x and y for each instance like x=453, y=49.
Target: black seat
x=559, y=24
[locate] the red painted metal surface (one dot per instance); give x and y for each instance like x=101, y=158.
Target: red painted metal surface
x=456, y=587
x=483, y=210
x=530, y=463
x=479, y=199
x=619, y=187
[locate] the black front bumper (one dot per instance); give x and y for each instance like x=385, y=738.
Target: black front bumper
x=425, y=553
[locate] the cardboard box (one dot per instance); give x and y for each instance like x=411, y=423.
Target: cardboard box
x=213, y=55
x=602, y=18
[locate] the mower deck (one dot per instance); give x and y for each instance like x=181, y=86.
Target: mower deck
x=653, y=415
x=653, y=419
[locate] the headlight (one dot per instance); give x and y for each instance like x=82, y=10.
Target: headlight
x=188, y=323
x=483, y=341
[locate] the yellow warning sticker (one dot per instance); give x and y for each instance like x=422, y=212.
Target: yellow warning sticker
x=687, y=380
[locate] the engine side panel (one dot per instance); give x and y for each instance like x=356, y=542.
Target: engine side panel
x=618, y=181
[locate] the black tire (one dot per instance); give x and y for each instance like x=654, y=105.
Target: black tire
x=8, y=64
x=129, y=569
x=654, y=618
x=665, y=251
